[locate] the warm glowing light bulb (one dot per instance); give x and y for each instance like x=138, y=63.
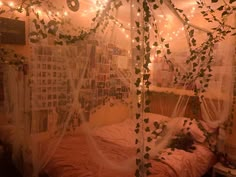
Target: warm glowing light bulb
x=127, y=36
x=11, y=4
x=65, y=13
x=132, y=5
x=39, y=12
x=123, y=29
x=1, y=3
x=138, y=14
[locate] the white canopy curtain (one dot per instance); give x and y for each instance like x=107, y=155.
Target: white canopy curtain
x=75, y=89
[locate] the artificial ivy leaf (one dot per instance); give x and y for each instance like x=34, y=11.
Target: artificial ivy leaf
x=138, y=116
x=147, y=109
x=162, y=39
x=138, y=125
x=147, y=129
x=137, y=173
x=214, y=1
x=180, y=10
x=138, y=161
x=136, y=130
x=220, y=8
x=155, y=6
x=148, y=173
x=155, y=44
x=138, y=105
x=146, y=156
x=138, y=81
x=185, y=121
x=167, y=45
x=137, y=70
x=147, y=102
x=146, y=120
x=149, y=139
x=136, y=141
x=168, y=51
x=137, y=24
x=148, y=83
x=158, y=52
x=195, y=65
x=148, y=148
x=138, y=92
x=146, y=76
x=148, y=165
x=191, y=32
x=139, y=32
x=224, y=13
x=138, y=47
x=234, y=34
x=137, y=39
x=156, y=124
x=231, y=1
x=146, y=38
x=138, y=150
x=193, y=42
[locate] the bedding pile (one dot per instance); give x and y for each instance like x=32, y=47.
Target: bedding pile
x=75, y=157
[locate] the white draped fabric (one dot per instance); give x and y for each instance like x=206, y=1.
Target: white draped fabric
x=70, y=90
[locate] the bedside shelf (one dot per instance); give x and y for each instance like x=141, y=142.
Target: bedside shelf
x=219, y=169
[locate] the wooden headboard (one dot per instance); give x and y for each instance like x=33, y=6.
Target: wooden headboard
x=164, y=103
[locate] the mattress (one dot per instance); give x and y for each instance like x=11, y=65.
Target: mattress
x=114, y=155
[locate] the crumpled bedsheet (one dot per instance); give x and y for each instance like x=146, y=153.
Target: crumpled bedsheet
x=75, y=158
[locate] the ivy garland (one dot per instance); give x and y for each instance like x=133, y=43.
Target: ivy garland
x=200, y=59
x=9, y=57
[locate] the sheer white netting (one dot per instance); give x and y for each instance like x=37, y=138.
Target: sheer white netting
x=76, y=96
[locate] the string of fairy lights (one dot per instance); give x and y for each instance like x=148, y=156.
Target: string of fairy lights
x=166, y=21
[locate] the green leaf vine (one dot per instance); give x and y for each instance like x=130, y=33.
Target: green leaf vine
x=200, y=58
x=199, y=61
x=9, y=57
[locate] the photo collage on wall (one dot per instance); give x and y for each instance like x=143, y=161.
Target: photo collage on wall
x=104, y=82
x=53, y=71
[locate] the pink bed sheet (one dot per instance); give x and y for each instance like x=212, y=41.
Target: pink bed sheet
x=74, y=158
